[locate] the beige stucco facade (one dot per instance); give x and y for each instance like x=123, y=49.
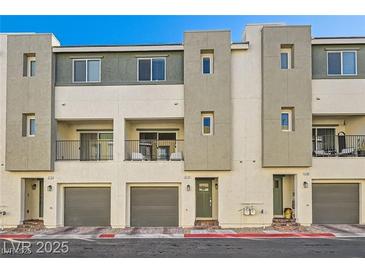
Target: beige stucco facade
x=245, y=181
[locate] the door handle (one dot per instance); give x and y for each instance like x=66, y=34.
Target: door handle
x=210, y=202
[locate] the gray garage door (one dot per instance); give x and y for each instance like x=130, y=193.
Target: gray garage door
x=154, y=206
x=87, y=206
x=335, y=203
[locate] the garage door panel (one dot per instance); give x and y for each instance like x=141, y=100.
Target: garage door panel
x=87, y=206
x=154, y=206
x=335, y=203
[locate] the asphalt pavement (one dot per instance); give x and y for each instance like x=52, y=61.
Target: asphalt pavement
x=186, y=248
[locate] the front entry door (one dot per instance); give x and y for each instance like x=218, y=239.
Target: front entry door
x=278, y=195
x=203, y=198
x=33, y=199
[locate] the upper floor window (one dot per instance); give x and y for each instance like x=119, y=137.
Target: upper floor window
x=342, y=62
x=286, y=57
x=31, y=63
x=86, y=70
x=207, y=63
x=29, y=125
x=286, y=119
x=152, y=69
x=207, y=123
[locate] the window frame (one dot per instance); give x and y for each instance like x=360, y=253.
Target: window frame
x=31, y=59
x=341, y=59
x=86, y=68
x=211, y=116
x=151, y=68
x=290, y=119
x=211, y=63
x=287, y=51
x=28, y=131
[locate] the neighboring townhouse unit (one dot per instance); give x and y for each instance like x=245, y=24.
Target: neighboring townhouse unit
x=203, y=133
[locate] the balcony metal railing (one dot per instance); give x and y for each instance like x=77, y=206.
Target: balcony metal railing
x=154, y=150
x=90, y=150
x=339, y=146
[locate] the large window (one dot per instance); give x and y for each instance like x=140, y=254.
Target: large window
x=342, y=63
x=86, y=70
x=152, y=69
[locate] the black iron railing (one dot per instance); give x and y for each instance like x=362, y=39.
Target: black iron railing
x=154, y=150
x=89, y=150
x=339, y=145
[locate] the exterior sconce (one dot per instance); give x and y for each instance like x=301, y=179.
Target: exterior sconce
x=188, y=188
x=49, y=188
x=34, y=186
x=305, y=184
x=216, y=186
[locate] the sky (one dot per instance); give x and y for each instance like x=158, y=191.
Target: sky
x=130, y=30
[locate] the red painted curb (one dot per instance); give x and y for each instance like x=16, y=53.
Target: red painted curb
x=106, y=235
x=260, y=235
x=15, y=236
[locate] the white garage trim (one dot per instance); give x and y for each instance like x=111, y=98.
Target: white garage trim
x=128, y=197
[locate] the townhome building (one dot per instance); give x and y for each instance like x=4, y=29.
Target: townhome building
x=203, y=133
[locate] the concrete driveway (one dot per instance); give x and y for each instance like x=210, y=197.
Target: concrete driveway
x=342, y=229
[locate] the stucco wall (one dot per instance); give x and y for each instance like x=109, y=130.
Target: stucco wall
x=207, y=93
x=286, y=88
x=120, y=68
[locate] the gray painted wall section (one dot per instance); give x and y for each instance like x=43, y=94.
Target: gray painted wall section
x=286, y=88
x=319, y=61
x=30, y=95
x=207, y=93
x=120, y=68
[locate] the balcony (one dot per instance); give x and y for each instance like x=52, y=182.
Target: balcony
x=340, y=145
x=84, y=150
x=154, y=150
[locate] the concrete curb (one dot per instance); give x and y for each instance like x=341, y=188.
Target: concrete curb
x=260, y=235
x=167, y=236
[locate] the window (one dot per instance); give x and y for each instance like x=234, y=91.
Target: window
x=286, y=57
x=342, y=63
x=207, y=123
x=286, y=119
x=86, y=70
x=207, y=63
x=31, y=66
x=324, y=139
x=29, y=125
x=152, y=69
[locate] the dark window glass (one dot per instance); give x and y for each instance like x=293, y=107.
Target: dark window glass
x=334, y=63
x=158, y=69
x=32, y=126
x=285, y=121
x=206, y=65
x=80, y=71
x=144, y=70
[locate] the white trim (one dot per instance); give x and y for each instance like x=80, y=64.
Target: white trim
x=341, y=41
x=151, y=58
x=211, y=116
x=290, y=118
x=31, y=117
x=211, y=63
x=86, y=69
x=29, y=60
x=341, y=59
